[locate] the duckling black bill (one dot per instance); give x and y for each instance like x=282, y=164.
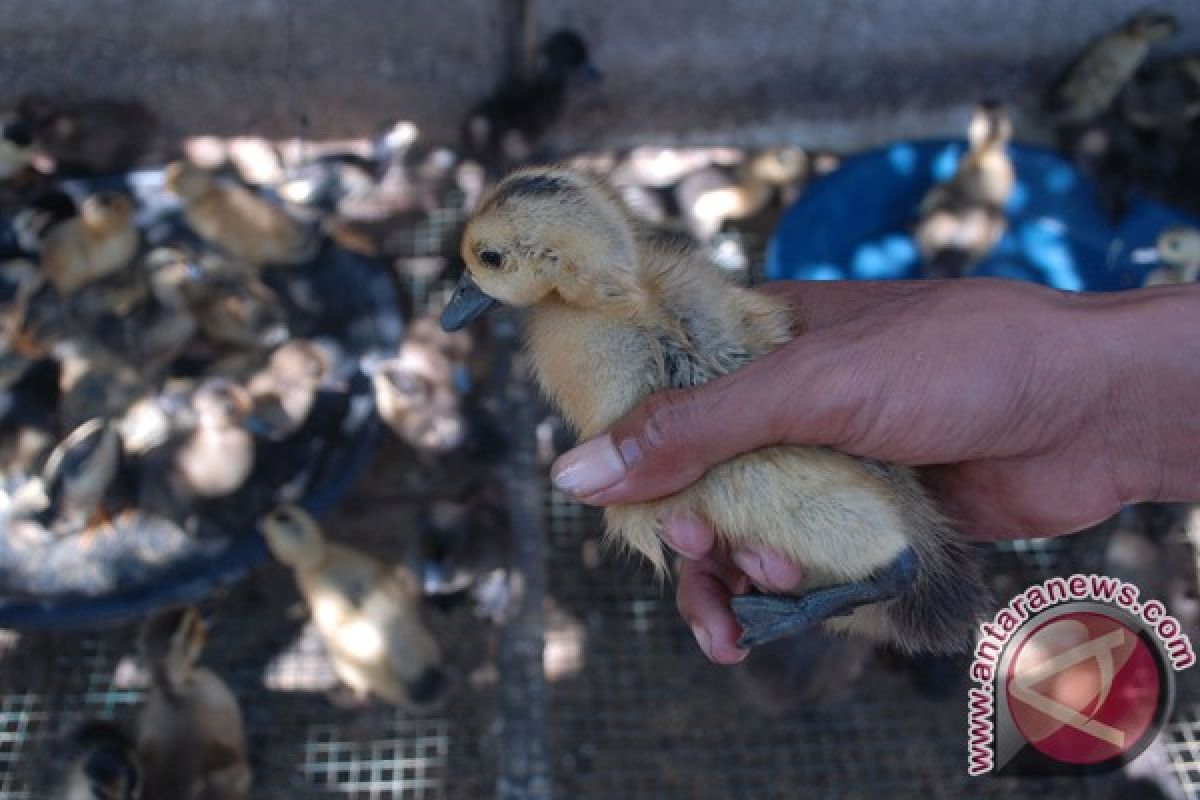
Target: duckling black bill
x=466, y=304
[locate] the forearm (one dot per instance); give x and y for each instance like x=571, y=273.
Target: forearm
x=1152, y=339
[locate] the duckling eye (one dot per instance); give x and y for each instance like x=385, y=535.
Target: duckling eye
x=492, y=258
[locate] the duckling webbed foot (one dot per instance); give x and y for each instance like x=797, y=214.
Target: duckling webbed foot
x=765, y=618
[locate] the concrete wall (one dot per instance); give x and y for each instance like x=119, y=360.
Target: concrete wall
x=840, y=73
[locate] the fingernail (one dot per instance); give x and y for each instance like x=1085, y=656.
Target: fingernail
x=685, y=534
x=768, y=570
x=590, y=467
x=704, y=640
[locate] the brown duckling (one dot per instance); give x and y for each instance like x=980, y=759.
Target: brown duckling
x=1164, y=96
x=191, y=740
x=101, y=241
x=640, y=312
x=1092, y=83
x=95, y=760
x=93, y=382
x=238, y=220
x=366, y=612
x=962, y=219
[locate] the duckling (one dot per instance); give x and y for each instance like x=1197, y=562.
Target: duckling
x=238, y=220
x=646, y=311
x=96, y=760
x=16, y=148
x=1092, y=83
x=94, y=137
x=32, y=222
x=101, y=241
x=217, y=456
x=1179, y=250
x=505, y=129
x=709, y=197
x=416, y=398
x=191, y=739
x=238, y=312
x=962, y=219
x=286, y=391
x=79, y=472
x=366, y=612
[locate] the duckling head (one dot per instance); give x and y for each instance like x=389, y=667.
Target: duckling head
x=989, y=127
x=1152, y=26
x=187, y=180
x=546, y=233
x=220, y=402
x=171, y=643
x=293, y=536
x=106, y=767
x=107, y=211
x=1180, y=248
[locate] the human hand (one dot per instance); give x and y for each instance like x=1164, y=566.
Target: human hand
x=1022, y=407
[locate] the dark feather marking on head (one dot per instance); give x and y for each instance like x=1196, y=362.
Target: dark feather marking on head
x=532, y=186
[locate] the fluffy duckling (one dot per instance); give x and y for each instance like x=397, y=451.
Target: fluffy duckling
x=504, y=129
x=286, y=391
x=96, y=760
x=191, y=740
x=240, y=313
x=1092, y=83
x=79, y=472
x=16, y=148
x=101, y=241
x=1179, y=250
x=962, y=219
x=646, y=311
x=416, y=397
x=709, y=197
x=217, y=456
x=366, y=612
x=238, y=220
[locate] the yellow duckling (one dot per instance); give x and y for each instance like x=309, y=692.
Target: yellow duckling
x=962, y=219
x=1179, y=250
x=366, y=612
x=619, y=311
x=1092, y=83
x=709, y=197
x=191, y=740
x=96, y=760
x=238, y=220
x=101, y=241
x=217, y=456
x=416, y=397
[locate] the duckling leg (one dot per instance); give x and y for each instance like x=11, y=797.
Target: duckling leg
x=765, y=618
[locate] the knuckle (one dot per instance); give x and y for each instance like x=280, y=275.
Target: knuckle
x=663, y=423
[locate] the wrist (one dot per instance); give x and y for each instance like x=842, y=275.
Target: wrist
x=1148, y=343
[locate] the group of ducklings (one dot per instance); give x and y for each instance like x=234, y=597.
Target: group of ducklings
x=1130, y=122
x=1112, y=112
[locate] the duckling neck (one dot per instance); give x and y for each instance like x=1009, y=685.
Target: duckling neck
x=593, y=366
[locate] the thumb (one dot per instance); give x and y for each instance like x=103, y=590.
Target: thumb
x=673, y=437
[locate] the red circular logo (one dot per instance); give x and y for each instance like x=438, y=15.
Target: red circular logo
x=1083, y=688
